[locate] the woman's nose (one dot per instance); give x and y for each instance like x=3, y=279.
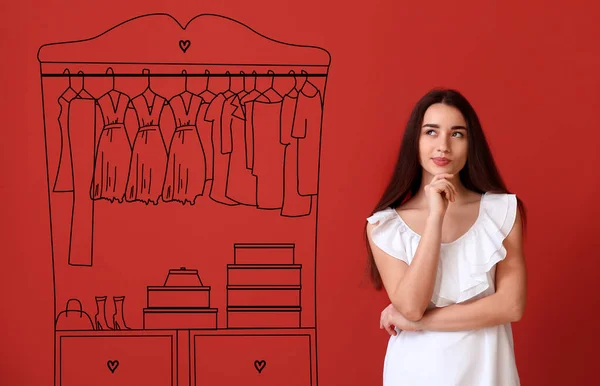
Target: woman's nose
x=443, y=147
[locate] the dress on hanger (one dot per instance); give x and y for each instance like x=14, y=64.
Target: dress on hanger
x=204, y=131
x=248, y=106
x=149, y=155
x=466, y=270
x=82, y=123
x=241, y=183
x=268, y=153
x=64, y=174
x=307, y=127
x=294, y=204
x=221, y=152
x=113, y=153
x=77, y=122
x=186, y=171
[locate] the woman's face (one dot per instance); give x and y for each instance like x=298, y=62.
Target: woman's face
x=443, y=134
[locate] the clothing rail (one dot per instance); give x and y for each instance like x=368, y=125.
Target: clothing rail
x=178, y=75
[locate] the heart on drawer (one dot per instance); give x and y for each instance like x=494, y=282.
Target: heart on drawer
x=260, y=365
x=112, y=365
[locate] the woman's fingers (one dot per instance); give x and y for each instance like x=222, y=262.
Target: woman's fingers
x=450, y=183
x=385, y=323
x=390, y=329
x=453, y=188
x=449, y=193
x=382, y=318
x=446, y=190
x=450, y=190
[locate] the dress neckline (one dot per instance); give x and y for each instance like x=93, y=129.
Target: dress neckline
x=479, y=215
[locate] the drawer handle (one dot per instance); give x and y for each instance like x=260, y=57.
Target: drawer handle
x=260, y=365
x=112, y=365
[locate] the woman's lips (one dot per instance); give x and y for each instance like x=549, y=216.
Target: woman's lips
x=441, y=161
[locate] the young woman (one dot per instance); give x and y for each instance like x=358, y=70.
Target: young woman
x=445, y=241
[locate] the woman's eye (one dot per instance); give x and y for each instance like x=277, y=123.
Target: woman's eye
x=456, y=132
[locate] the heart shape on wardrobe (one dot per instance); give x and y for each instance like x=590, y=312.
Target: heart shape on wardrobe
x=184, y=45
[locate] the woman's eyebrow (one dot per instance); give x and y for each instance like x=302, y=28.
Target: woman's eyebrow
x=436, y=126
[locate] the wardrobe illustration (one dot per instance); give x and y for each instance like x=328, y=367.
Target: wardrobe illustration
x=183, y=182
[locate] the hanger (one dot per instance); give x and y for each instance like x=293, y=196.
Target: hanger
x=185, y=84
x=147, y=71
x=253, y=92
x=229, y=92
x=82, y=80
x=294, y=78
x=148, y=93
x=242, y=93
x=303, y=79
x=69, y=92
x=207, y=73
x=109, y=70
x=186, y=104
x=82, y=91
x=184, y=72
x=309, y=89
x=207, y=95
x=229, y=84
x=272, y=78
x=66, y=71
x=245, y=80
x=270, y=93
x=238, y=83
x=253, y=81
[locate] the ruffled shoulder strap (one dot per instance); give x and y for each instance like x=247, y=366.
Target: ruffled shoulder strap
x=479, y=252
x=388, y=233
x=382, y=215
x=501, y=208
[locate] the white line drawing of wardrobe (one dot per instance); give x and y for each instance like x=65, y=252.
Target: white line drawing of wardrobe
x=183, y=183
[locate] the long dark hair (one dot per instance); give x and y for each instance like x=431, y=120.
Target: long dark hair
x=480, y=173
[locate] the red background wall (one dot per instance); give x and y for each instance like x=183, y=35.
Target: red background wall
x=531, y=71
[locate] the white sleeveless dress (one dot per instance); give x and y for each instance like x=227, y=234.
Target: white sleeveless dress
x=466, y=270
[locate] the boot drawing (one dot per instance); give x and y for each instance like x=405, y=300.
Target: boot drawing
x=100, y=322
x=119, y=317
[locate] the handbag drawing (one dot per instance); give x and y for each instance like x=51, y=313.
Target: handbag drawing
x=73, y=317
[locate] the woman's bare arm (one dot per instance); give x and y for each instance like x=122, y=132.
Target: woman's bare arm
x=410, y=287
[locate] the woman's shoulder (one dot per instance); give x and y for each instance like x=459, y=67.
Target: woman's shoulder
x=386, y=231
x=380, y=216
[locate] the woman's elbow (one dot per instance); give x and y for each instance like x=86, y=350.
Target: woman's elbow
x=411, y=313
x=517, y=313
x=516, y=309
x=414, y=315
